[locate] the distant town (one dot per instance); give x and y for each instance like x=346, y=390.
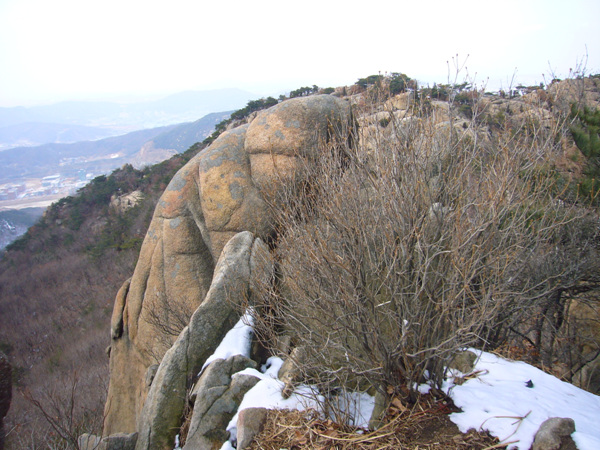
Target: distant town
x=41, y=191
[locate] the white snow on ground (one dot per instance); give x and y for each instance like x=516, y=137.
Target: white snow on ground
x=237, y=341
x=499, y=401
x=267, y=394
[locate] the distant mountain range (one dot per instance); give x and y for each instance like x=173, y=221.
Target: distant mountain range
x=31, y=134
x=76, y=121
x=139, y=148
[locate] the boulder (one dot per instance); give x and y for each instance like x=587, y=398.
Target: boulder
x=220, y=192
x=555, y=434
x=279, y=135
x=122, y=203
x=217, y=397
x=401, y=101
x=290, y=371
x=463, y=361
x=163, y=408
x=89, y=441
x=382, y=403
x=117, y=441
x=251, y=422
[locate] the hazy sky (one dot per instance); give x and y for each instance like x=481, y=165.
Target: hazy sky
x=52, y=50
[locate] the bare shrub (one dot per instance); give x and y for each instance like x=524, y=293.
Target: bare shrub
x=424, y=239
x=67, y=413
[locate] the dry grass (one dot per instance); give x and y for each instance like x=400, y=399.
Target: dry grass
x=425, y=426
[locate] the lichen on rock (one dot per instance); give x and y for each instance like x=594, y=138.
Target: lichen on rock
x=216, y=196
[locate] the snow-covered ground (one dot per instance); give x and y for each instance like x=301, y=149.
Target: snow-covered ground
x=510, y=399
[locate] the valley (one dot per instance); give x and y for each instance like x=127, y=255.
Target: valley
x=34, y=177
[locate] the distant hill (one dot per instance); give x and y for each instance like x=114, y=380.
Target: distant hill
x=138, y=148
x=31, y=134
x=67, y=159
x=185, y=135
x=176, y=108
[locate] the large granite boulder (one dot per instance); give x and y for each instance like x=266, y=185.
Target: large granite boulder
x=217, y=194
x=161, y=415
x=277, y=136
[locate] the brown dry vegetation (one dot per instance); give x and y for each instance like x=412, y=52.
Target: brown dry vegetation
x=438, y=230
x=425, y=426
x=57, y=288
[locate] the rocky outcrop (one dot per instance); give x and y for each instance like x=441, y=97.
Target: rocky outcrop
x=122, y=203
x=216, y=399
x=250, y=423
x=117, y=441
x=218, y=194
x=163, y=408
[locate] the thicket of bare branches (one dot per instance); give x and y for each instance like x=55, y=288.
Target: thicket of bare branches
x=428, y=236
x=66, y=410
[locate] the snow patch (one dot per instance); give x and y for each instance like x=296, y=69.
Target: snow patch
x=500, y=401
x=237, y=341
x=510, y=399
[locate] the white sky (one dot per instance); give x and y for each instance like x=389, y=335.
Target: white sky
x=52, y=50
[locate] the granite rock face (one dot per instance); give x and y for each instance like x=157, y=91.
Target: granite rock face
x=216, y=195
x=161, y=415
x=251, y=422
x=217, y=396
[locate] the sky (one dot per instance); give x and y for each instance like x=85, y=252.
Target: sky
x=134, y=49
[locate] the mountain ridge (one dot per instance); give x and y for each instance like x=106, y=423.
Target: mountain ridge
x=174, y=108
x=32, y=134
x=110, y=153
x=114, y=239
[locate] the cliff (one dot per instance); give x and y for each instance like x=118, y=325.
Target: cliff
x=217, y=195
x=194, y=275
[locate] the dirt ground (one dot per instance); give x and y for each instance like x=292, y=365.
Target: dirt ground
x=425, y=425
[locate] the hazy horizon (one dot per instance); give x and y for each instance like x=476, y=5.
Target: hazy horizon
x=81, y=50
